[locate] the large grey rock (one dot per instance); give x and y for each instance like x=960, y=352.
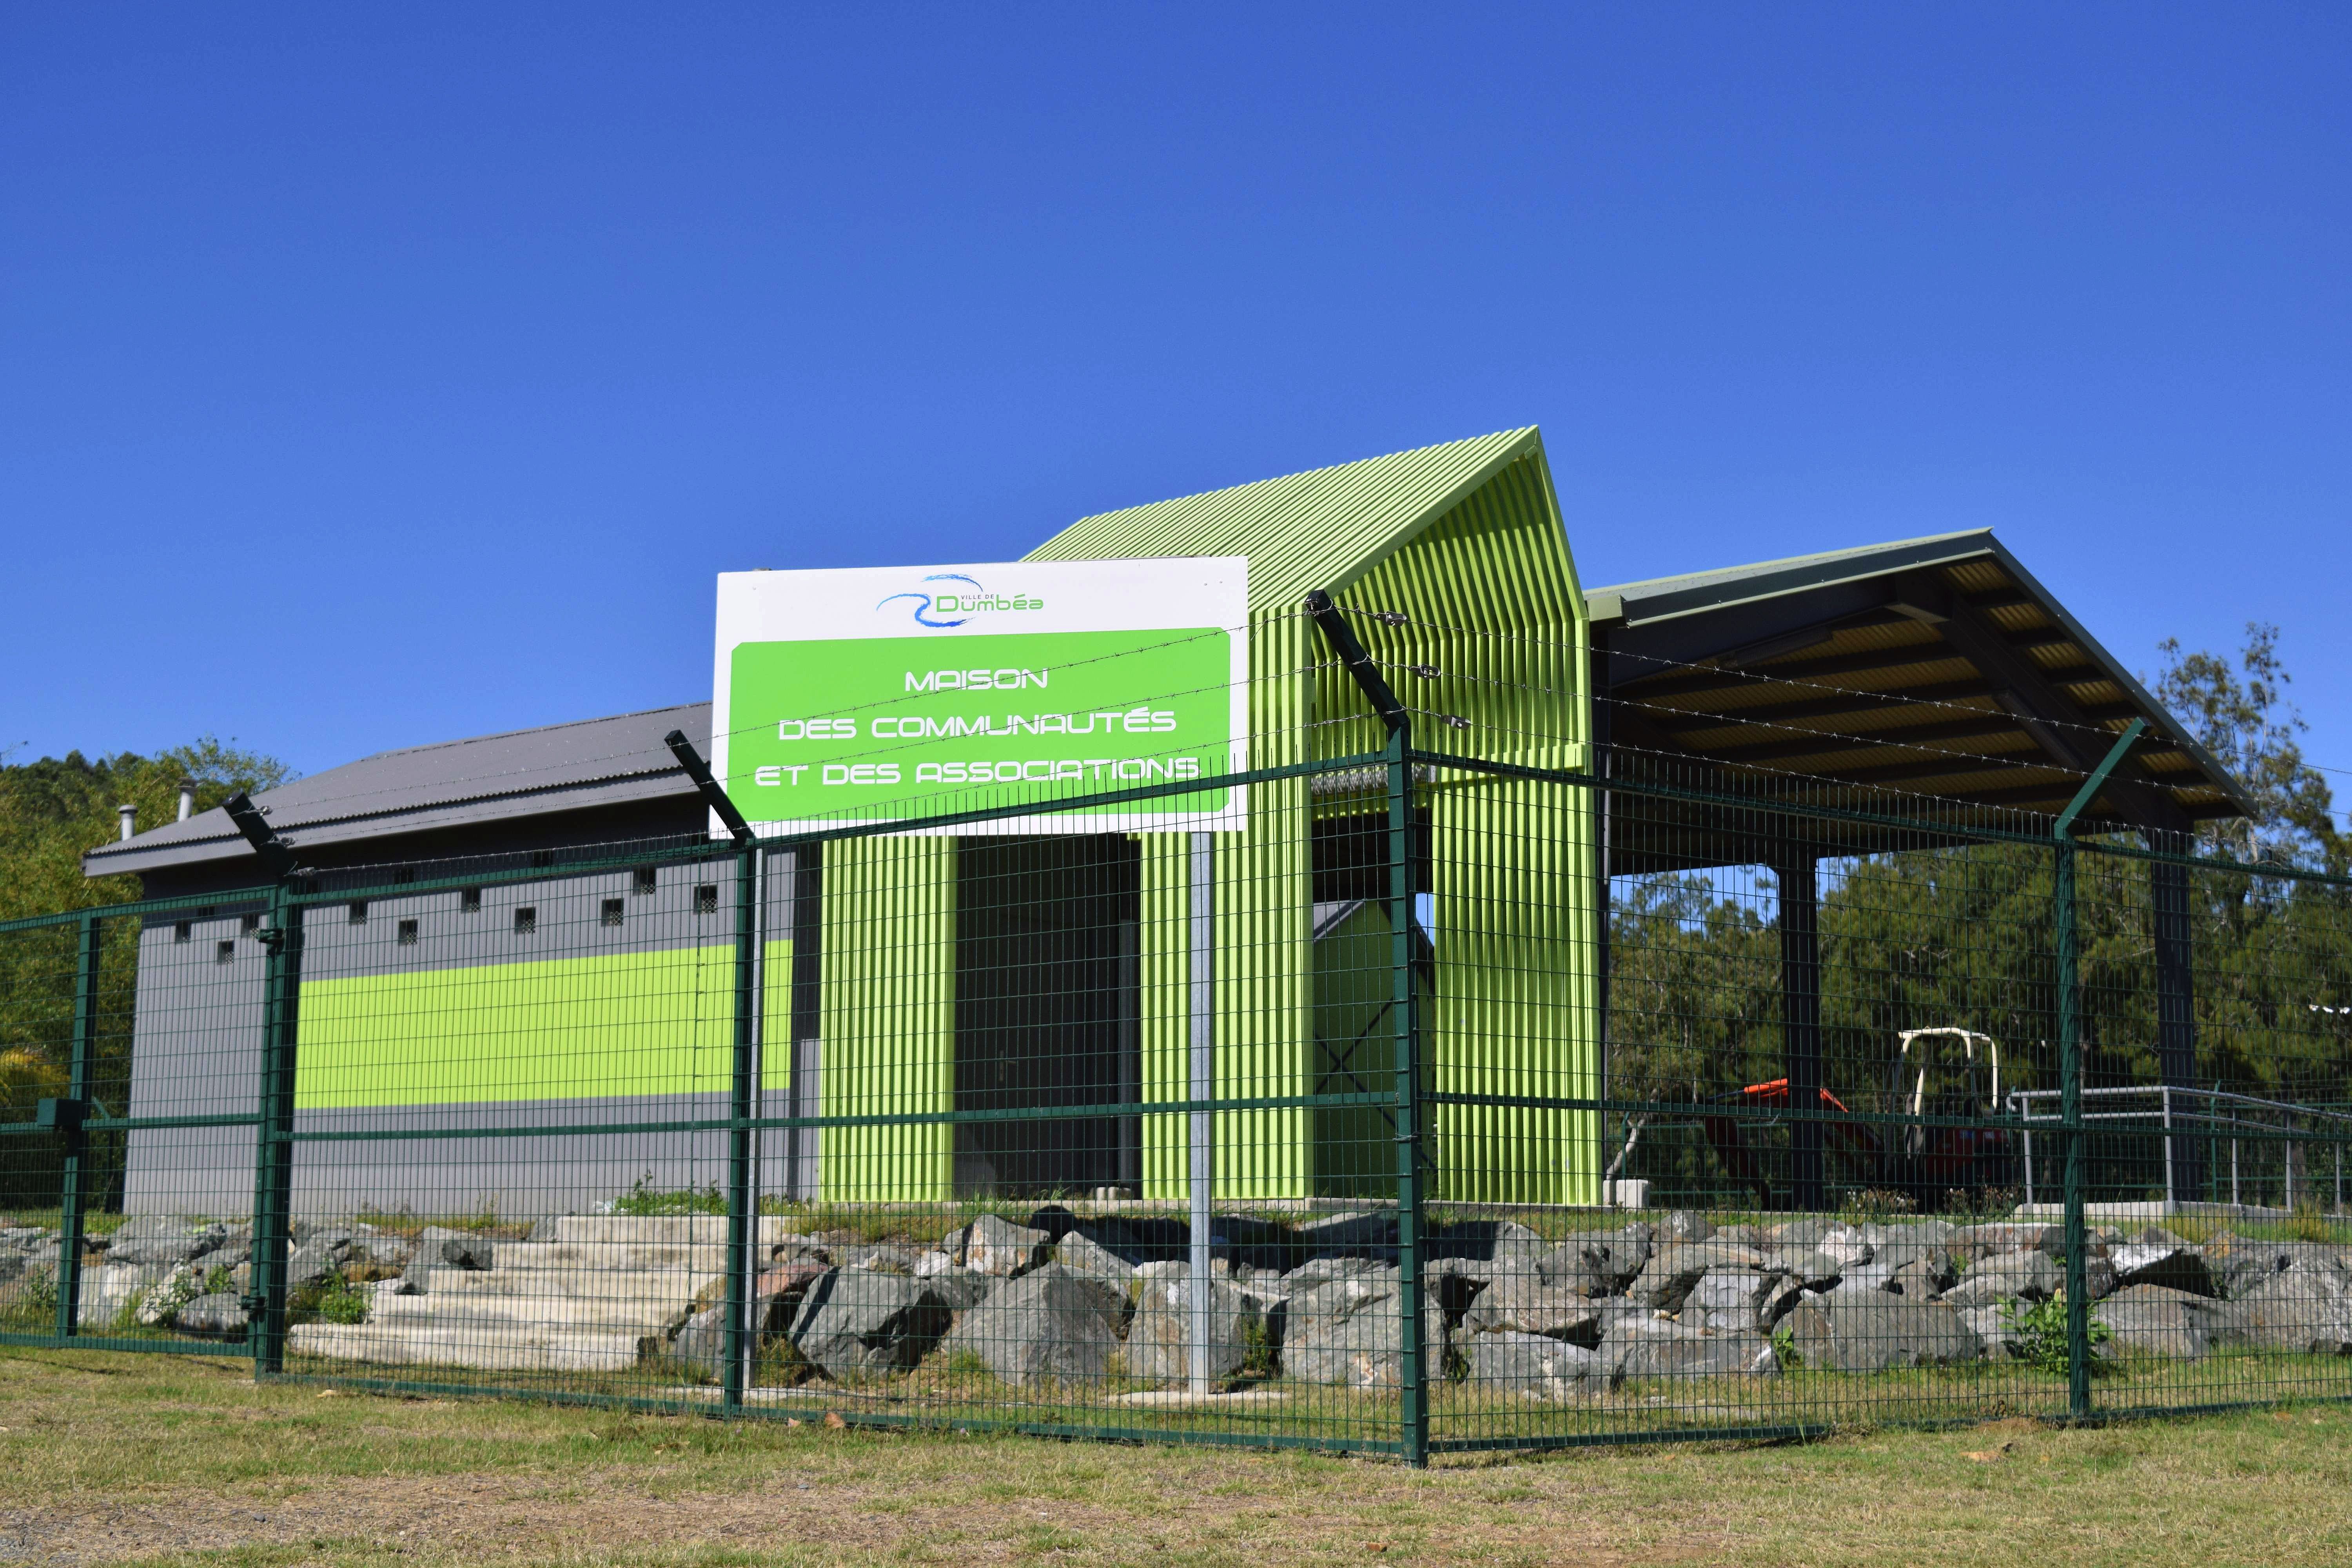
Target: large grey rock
x=1801, y=1235
x=1895, y=1247
x=2304, y=1312
x=1050, y=1325
x=218, y=1314
x=2162, y=1263
x=111, y=1289
x=309, y=1264
x=1658, y=1349
x=888, y=1258
x=1684, y=1226
x=1597, y=1263
x=1872, y=1333
x=2008, y=1276
x=960, y=1289
x=1923, y=1280
x=162, y=1301
x=1974, y=1241
x=1994, y=1326
x=334, y=1238
x=1523, y=1303
x=1814, y=1271
x=993, y=1245
x=441, y=1247
x=702, y=1342
x=1351, y=1333
x=1535, y=1366
x=1864, y=1278
x=1674, y=1270
x=1309, y=1275
x=162, y=1239
x=1160, y=1340
x=1081, y=1254
x=2237, y=1264
x=2155, y=1319
x=1369, y=1235
x=1740, y=1299
x=1848, y=1245
x=854, y=1322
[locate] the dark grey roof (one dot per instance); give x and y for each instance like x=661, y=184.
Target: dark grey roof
x=521, y=773
x=1791, y=663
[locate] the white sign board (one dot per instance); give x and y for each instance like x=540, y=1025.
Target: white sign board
x=884, y=694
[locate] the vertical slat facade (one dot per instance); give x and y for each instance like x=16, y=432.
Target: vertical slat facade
x=888, y=1017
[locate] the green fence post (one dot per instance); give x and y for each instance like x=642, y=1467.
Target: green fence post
x=273, y=1173
x=77, y=1142
x=1413, y=1414
x=2070, y=1116
x=2070, y=1074
x=1412, y=1404
x=742, y=1221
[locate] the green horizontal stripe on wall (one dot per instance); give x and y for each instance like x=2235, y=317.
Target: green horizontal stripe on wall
x=562, y=1028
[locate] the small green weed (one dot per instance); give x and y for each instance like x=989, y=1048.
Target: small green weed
x=2042, y=1336
x=644, y=1200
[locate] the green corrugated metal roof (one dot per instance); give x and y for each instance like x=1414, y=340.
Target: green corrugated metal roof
x=1321, y=529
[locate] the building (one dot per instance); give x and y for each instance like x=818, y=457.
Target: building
x=937, y=973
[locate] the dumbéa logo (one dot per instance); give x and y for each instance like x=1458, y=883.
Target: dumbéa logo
x=961, y=604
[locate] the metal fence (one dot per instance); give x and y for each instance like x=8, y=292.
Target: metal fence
x=1458, y=1104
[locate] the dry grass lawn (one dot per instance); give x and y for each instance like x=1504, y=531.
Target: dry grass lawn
x=121, y=1459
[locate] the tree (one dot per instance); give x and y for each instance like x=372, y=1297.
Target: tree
x=2241, y=713
x=53, y=810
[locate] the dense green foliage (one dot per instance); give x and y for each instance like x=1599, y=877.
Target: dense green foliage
x=51, y=812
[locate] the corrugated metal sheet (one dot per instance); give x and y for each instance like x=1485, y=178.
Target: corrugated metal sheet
x=1321, y=529
x=522, y=772
x=1466, y=539
x=888, y=1016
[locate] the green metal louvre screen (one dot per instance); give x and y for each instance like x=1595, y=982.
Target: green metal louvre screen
x=1398, y=1122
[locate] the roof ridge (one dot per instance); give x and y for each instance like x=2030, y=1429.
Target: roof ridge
x=510, y=735
x=1297, y=474
x=1853, y=551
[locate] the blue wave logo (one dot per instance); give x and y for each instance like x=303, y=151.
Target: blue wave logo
x=923, y=602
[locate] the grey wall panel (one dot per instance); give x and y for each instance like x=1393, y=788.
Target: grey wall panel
x=353, y=938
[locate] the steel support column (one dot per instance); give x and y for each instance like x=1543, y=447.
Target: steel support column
x=1800, y=1021
x=2175, y=1012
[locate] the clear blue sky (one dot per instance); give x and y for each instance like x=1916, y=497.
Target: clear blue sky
x=381, y=376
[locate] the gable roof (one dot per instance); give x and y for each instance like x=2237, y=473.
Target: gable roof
x=453, y=784
x=1321, y=529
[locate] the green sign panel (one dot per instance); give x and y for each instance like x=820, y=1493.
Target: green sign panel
x=866, y=728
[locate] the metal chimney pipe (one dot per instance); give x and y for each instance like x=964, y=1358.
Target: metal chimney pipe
x=187, y=799
x=130, y=814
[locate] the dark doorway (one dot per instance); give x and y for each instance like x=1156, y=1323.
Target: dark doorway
x=1047, y=994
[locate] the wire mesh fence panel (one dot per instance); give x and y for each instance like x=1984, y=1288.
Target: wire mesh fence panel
x=509, y=1117
x=129, y=1154
x=1462, y=1084
x=2215, y=1088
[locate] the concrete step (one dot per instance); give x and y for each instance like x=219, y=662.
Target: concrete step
x=609, y=1255
x=705, y=1230
x=575, y=1282
x=513, y=1348
x=641, y=1316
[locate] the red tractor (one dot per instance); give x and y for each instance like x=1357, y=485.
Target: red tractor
x=1937, y=1075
